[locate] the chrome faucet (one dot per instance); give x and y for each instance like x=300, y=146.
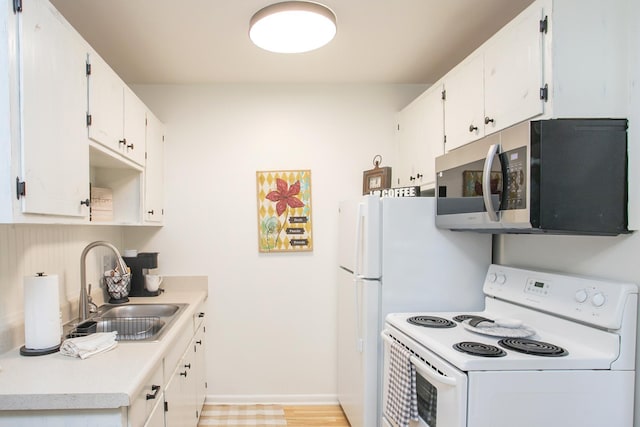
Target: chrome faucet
x=83, y=302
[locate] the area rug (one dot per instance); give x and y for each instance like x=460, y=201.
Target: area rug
x=242, y=415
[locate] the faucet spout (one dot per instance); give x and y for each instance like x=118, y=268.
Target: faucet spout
x=83, y=303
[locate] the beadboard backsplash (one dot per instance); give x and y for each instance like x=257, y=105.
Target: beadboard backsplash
x=53, y=249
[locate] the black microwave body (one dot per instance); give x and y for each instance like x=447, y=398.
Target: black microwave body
x=561, y=176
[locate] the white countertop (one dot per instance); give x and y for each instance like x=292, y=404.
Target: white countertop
x=105, y=380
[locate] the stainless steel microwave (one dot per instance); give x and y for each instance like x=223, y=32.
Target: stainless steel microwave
x=561, y=176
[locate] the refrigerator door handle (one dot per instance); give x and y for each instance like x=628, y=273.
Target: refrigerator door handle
x=357, y=259
x=357, y=277
x=359, y=340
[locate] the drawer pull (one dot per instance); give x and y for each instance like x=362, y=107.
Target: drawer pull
x=156, y=390
x=199, y=342
x=183, y=374
x=201, y=314
x=188, y=365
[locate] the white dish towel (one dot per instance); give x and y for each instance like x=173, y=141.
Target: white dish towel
x=402, y=400
x=84, y=347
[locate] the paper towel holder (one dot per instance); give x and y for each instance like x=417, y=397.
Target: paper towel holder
x=24, y=351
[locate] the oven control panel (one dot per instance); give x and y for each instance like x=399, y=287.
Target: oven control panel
x=591, y=300
x=538, y=287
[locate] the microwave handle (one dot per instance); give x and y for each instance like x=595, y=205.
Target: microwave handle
x=486, y=182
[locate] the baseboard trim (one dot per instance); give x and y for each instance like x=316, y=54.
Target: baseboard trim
x=280, y=399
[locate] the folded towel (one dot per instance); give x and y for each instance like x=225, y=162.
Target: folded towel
x=89, y=345
x=402, y=400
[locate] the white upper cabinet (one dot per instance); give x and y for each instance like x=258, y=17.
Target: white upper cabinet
x=116, y=116
x=499, y=84
x=154, y=171
x=421, y=139
x=556, y=59
x=464, y=102
x=135, y=118
x=513, y=74
x=53, y=93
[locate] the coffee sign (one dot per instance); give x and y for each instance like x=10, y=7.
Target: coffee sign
x=398, y=192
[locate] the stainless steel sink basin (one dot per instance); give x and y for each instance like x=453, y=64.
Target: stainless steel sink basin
x=135, y=322
x=131, y=328
x=138, y=310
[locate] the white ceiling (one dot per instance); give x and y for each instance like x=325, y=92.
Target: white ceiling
x=204, y=41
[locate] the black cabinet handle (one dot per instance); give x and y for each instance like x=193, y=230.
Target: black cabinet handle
x=86, y=202
x=419, y=176
x=201, y=314
x=130, y=146
x=150, y=212
x=184, y=374
x=123, y=141
x=156, y=390
x=199, y=342
x=487, y=120
x=472, y=128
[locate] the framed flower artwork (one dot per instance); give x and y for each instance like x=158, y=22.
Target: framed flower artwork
x=284, y=211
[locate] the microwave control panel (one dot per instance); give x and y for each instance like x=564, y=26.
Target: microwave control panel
x=514, y=167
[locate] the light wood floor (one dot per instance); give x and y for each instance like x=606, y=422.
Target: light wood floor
x=315, y=415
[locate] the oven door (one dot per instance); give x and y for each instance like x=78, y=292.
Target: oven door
x=441, y=388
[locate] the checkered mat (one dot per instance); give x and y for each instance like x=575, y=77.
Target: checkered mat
x=242, y=415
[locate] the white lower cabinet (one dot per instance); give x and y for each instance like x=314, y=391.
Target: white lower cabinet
x=147, y=398
x=199, y=370
x=185, y=392
x=180, y=408
x=156, y=419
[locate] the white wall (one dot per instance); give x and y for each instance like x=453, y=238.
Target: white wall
x=271, y=326
x=53, y=249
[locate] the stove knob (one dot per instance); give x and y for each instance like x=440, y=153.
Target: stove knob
x=581, y=295
x=598, y=299
x=492, y=277
x=502, y=279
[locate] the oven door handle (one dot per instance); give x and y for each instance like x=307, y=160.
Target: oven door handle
x=429, y=372
x=486, y=182
x=424, y=369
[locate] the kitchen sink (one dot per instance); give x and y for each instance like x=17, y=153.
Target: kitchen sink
x=139, y=310
x=133, y=322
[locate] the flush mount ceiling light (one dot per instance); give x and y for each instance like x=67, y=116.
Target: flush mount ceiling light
x=292, y=27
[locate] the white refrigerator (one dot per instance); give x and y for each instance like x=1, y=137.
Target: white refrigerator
x=392, y=258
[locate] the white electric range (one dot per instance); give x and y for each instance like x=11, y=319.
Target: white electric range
x=548, y=350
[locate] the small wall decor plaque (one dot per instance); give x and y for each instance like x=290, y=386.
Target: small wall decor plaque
x=284, y=211
x=377, y=178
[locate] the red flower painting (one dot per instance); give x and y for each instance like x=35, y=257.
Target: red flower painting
x=285, y=196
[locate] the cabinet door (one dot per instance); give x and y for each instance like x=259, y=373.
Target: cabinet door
x=464, y=103
x=156, y=418
x=514, y=72
x=135, y=116
x=421, y=128
x=200, y=371
x=55, y=154
x=154, y=171
x=106, y=104
x=180, y=394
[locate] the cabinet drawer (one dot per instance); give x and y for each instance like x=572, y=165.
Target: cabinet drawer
x=177, y=350
x=199, y=315
x=147, y=397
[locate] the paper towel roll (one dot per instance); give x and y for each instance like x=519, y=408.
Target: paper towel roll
x=42, y=326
